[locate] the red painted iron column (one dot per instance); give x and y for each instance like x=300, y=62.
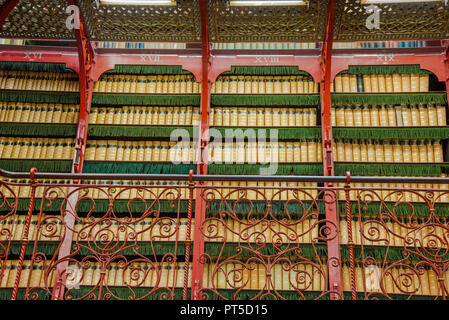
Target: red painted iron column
x=333, y=245
x=445, y=43
x=203, y=140
x=86, y=61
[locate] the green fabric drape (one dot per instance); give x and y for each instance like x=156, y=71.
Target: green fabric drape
x=283, y=133
x=390, y=169
x=147, y=69
x=160, y=248
x=266, y=100
x=380, y=252
x=39, y=97
x=101, y=206
x=391, y=133
x=126, y=132
x=125, y=293
x=259, y=209
x=382, y=98
x=35, y=66
x=382, y=69
x=38, y=130
x=146, y=99
x=310, y=169
x=137, y=167
x=40, y=164
x=143, y=248
x=230, y=249
x=265, y=71
x=402, y=210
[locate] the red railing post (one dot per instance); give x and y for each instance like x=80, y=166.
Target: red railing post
x=188, y=241
x=333, y=245
x=203, y=139
x=350, y=240
x=24, y=239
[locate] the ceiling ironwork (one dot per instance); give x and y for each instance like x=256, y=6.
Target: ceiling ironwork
x=398, y=21
x=267, y=24
x=37, y=19
x=46, y=19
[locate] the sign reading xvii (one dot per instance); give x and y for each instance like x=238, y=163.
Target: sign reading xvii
x=267, y=59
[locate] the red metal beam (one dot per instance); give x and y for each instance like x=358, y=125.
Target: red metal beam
x=203, y=140
x=433, y=60
x=107, y=59
x=6, y=9
x=333, y=245
x=40, y=54
x=86, y=59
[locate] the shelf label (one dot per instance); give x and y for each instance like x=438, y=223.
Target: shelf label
x=267, y=59
x=31, y=56
x=385, y=58
x=150, y=58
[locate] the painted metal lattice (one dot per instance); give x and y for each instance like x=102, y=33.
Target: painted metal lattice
x=142, y=23
x=38, y=19
x=409, y=21
x=278, y=23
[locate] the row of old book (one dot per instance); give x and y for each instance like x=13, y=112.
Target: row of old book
x=38, y=112
x=142, y=151
x=397, y=151
x=307, y=150
x=36, y=148
x=97, y=189
x=370, y=230
x=421, y=115
x=161, y=116
x=263, y=117
x=186, y=84
x=258, y=191
x=394, y=279
x=305, y=276
x=263, y=45
x=39, y=81
x=380, y=83
x=228, y=190
x=138, y=274
x=264, y=85
x=155, y=84
x=219, y=116
x=162, y=229
x=349, y=116
x=407, y=232
x=100, y=189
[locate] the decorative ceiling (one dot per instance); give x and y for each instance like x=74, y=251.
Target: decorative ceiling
x=143, y=23
x=399, y=21
x=46, y=19
x=37, y=19
x=266, y=24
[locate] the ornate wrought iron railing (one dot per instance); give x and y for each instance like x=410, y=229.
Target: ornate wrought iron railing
x=93, y=236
